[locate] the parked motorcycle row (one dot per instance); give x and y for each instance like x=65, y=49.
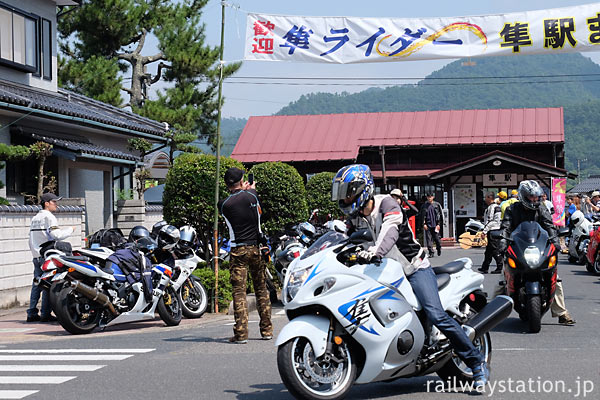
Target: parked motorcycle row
x=88, y=289
x=582, y=237
x=350, y=321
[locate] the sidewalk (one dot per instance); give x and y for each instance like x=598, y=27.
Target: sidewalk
x=15, y=329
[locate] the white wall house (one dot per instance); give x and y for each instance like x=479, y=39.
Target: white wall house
x=90, y=157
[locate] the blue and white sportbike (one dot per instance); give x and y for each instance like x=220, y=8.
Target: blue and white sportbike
x=92, y=295
x=360, y=323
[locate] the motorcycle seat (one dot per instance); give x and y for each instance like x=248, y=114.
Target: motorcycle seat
x=75, y=258
x=442, y=280
x=450, y=268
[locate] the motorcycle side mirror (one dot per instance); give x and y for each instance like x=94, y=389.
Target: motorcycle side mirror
x=564, y=231
x=361, y=236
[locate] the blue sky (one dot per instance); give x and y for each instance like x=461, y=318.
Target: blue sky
x=246, y=100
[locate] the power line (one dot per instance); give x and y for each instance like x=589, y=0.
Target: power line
x=408, y=78
x=398, y=84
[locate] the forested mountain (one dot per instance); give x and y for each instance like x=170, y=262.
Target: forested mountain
x=511, y=82
x=231, y=129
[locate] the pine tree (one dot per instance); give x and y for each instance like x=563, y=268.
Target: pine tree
x=103, y=41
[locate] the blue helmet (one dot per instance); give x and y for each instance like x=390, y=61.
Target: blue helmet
x=352, y=188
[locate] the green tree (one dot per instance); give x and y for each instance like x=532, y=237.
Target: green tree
x=104, y=40
x=282, y=195
x=318, y=194
x=189, y=193
x=11, y=153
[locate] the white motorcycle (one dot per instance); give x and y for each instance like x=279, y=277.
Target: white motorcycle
x=194, y=300
x=579, y=238
x=91, y=296
x=355, y=323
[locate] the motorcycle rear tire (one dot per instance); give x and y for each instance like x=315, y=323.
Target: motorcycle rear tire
x=170, y=313
x=68, y=306
x=272, y=290
x=534, y=313
x=288, y=361
x=572, y=260
x=457, y=368
x=195, y=304
x=53, y=292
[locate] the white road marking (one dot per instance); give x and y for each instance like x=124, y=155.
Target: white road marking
x=56, y=351
x=16, y=394
x=15, y=330
x=81, y=357
x=36, y=380
x=50, y=367
x=281, y=312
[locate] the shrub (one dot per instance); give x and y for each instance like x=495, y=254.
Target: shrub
x=207, y=277
x=282, y=195
x=189, y=193
x=318, y=194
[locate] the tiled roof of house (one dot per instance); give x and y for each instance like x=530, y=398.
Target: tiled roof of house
x=72, y=104
x=75, y=145
x=587, y=185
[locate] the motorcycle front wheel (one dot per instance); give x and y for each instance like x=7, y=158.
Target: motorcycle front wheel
x=534, y=313
x=595, y=267
x=169, y=307
x=76, y=313
x=194, y=300
x=307, y=377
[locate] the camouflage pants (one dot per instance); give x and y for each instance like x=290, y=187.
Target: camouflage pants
x=242, y=259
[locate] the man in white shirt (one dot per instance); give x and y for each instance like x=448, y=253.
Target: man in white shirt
x=44, y=228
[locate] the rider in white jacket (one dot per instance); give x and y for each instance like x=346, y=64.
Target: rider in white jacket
x=44, y=228
x=353, y=190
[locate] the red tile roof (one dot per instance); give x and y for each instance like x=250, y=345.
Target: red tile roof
x=340, y=136
x=403, y=173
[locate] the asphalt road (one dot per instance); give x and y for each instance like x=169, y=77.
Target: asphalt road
x=194, y=361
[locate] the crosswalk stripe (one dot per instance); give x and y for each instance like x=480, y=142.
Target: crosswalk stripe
x=79, y=357
x=16, y=394
x=56, y=351
x=50, y=367
x=52, y=380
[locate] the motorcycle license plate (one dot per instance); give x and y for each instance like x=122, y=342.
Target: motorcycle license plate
x=47, y=274
x=60, y=276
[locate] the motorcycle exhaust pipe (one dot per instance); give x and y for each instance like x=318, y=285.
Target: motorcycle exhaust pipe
x=489, y=317
x=94, y=295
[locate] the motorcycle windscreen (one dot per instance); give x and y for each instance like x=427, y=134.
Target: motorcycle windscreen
x=530, y=241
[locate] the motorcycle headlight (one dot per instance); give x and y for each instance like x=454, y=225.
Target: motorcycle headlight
x=532, y=256
x=296, y=281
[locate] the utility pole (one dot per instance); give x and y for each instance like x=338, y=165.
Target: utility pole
x=217, y=173
x=579, y=169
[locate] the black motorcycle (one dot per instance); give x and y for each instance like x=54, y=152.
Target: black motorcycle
x=530, y=272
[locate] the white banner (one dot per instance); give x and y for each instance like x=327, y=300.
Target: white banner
x=354, y=40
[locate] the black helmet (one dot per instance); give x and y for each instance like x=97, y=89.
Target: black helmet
x=168, y=237
x=530, y=194
x=187, y=238
x=157, y=227
x=145, y=244
x=138, y=232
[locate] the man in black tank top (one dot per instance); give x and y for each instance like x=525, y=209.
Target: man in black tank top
x=242, y=215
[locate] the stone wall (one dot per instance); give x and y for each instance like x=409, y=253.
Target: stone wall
x=16, y=267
